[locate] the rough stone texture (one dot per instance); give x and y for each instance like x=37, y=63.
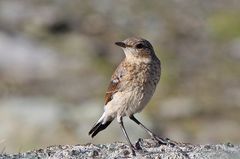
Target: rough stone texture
x=150, y=149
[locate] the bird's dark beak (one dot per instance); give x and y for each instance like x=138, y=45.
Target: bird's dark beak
x=121, y=44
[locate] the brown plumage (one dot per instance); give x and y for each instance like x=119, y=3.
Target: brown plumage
x=114, y=83
x=132, y=85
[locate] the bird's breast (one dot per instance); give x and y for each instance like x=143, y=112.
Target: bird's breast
x=143, y=75
x=141, y=83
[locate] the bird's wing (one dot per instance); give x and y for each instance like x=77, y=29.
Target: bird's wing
x=115, y=83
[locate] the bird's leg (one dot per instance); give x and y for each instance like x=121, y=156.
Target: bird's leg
x=159, y=139
x=120, y=121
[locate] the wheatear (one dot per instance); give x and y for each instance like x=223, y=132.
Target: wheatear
x=132, y=86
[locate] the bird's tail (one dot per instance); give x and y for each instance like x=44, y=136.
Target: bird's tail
x=100, y=125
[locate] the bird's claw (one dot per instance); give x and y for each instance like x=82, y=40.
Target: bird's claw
x=133, y=150
x=165, y=141
x=138, y=144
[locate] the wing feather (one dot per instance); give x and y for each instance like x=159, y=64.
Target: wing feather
x=115, y=83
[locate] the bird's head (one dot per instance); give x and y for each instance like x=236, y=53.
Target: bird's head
x=137, y=49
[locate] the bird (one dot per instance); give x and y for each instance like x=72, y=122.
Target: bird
x=132, y=85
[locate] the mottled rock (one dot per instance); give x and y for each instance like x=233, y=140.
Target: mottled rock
x=150, y=149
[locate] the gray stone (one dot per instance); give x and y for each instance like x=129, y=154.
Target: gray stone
x=121, y=150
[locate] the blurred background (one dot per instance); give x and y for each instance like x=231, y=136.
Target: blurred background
x=57, y=56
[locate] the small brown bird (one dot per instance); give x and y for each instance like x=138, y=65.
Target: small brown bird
x=132, y=86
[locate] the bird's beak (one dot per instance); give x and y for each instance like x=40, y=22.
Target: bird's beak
x=121, y=44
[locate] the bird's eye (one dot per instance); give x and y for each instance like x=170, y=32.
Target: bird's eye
x=139, y=46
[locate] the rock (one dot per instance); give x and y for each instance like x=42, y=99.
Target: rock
x=121, y=150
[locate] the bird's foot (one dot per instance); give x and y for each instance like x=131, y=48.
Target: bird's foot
x=138, y=144
x=164, y=141
x=133, y=150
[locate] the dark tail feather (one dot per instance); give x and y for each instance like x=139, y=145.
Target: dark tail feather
x=98, y=127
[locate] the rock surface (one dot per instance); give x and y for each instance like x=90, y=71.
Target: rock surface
x=149, y=149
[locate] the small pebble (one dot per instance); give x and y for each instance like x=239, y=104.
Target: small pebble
x=126, y=152
x=207, y=146
x=230, y=145
x=93, y=153
x=75, y=152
